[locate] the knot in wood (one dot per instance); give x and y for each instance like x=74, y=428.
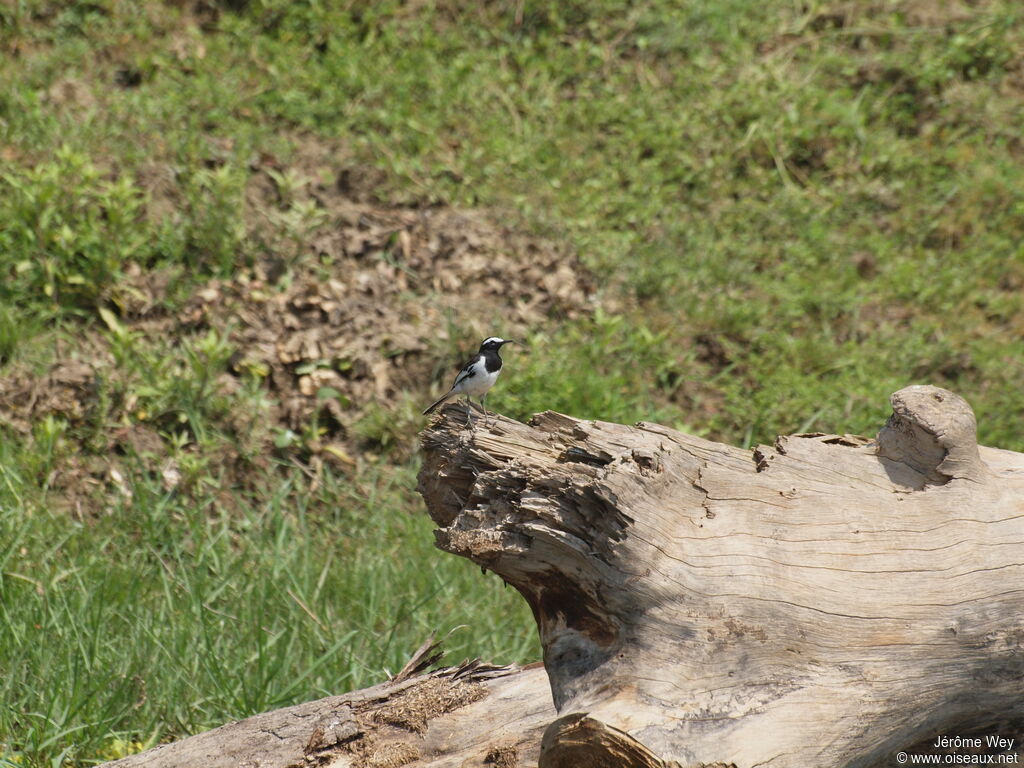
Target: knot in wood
x=933, y=431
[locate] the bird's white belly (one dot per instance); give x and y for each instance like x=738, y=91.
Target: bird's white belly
x=477, y=386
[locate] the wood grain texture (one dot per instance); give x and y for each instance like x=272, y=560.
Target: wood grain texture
x=825, y=600
x=446, y=719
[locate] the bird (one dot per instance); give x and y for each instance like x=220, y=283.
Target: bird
x=477, y=376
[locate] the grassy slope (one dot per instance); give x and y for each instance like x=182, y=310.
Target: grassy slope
x=792, y=211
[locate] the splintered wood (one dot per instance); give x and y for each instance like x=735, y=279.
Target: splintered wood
x=827, y=600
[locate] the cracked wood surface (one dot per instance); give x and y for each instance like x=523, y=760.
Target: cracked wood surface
x=826, y=600
x=445, y=719
x=823, y=601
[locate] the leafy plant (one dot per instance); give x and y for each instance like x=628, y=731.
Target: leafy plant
x=68, y=231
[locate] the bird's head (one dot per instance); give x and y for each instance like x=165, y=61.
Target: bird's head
x=494, y=343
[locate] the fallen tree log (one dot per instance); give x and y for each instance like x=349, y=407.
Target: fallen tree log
x=823, y=601
x=469, y=715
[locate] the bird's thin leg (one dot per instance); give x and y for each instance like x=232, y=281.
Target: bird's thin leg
x=482, y=398
x=469, y=411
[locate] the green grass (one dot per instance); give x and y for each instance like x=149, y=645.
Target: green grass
x=790, y=210
x=173, y=614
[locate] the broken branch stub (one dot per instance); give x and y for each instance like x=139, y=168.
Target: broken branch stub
x=933, y=431
x=825, y=600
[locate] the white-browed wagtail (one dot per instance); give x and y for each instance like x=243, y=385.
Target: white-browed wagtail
x=477, y=376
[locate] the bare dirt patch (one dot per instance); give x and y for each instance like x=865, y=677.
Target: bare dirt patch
x=378, y=297
x=387, y=288
x=363, y=314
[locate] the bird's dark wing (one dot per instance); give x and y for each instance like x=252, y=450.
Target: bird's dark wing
x=469, y=370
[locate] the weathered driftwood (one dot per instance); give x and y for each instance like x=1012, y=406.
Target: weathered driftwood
x=824, y=601
x=469, y=715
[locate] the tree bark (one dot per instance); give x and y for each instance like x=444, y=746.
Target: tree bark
x=823, y=601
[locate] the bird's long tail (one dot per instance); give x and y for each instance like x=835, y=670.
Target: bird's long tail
x=433, y=406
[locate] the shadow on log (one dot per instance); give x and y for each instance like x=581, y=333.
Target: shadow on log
x=826, y=600
x=823, y=601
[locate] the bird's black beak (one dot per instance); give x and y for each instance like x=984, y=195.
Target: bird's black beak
x=509, y=341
